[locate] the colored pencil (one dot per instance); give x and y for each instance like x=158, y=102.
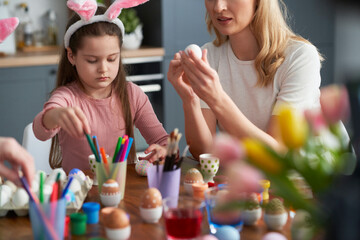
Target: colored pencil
x=96, y=144
x=41, y=187
x=118, y=145
x=92, y=147
x=126, y=144
x=128, y=148
x=66, y=188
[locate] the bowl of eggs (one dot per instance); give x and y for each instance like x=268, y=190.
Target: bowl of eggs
x=117, y=224
x=192, y=176
x=151, y=205
x=110, y=195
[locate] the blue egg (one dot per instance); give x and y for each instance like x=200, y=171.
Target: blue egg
x=77, y=173
x=227, y=233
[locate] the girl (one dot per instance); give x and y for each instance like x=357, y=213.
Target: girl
x=255, y=64
x=92, y=95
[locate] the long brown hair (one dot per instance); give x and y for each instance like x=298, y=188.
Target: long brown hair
x=68, y=74
x=272, y=34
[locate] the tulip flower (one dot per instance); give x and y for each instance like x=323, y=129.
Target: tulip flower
x=334, y=103
x=243, y=177
x=260, y=156
x=227, y=148
x=316, y=120
x=293, y=128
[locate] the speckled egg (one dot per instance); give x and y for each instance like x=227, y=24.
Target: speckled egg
x=110, y=193
x=142, y=166
x=193, y=176
x=151, y=198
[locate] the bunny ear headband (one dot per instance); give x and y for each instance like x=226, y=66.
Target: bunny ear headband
x=86, y=10
x=7, y=26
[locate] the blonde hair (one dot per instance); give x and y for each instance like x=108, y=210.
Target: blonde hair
x=272, y=34
x=67, y=74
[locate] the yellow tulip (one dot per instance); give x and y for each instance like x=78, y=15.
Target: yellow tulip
x=293, y=128
x=260, y=157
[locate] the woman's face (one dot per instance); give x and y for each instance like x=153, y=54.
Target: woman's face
x=97, y=64
x=230, y=17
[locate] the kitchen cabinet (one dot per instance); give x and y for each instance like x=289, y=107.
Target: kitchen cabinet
x=23, y=91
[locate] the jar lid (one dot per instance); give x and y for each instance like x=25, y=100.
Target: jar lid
x=91, y=206
x=78, y=217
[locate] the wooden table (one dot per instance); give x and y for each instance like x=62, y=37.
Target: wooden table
x=13, y=227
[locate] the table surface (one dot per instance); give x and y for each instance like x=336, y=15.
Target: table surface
x=13, y=227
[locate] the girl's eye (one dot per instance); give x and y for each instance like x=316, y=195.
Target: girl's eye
x=91, y=61
x=112, y=59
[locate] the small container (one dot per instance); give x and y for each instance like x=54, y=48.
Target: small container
x=199, y=190
x=151, y=215
x=78, y=223
x=92, y=212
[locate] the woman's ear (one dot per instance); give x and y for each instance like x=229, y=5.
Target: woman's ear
x=70, y=56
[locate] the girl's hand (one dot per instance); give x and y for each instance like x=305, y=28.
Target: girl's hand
x=70, y=119
x=203, y=79
x=156, y=152
x=179, y=80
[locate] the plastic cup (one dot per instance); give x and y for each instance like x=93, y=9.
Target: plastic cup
x=78, y=223
x=116, y=171
x=55, y=213
x=167, y=182
x=91, y=210
x=183, y=217
x=216, y=200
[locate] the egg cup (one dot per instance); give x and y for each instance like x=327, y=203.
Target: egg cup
x=188, y=188
x=110, y=200
x=250, y=217
x=151, y=215
x=118, y=233
x=275, y=221
x=209, y=166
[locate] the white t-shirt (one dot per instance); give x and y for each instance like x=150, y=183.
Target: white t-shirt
x=297, y=81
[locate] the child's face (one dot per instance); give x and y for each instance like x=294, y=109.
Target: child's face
x=97, y=64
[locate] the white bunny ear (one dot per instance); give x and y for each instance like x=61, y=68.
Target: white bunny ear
x=84, y=8
x=115, y=9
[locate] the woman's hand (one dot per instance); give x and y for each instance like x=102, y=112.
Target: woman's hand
x=179, y=80
x=155, y=152
x=203, y=79
x=70, y=119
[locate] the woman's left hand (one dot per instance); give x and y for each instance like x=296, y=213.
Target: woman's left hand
x=155, y=152
x=203, y=79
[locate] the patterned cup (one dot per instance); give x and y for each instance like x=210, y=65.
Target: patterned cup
x=209, y=166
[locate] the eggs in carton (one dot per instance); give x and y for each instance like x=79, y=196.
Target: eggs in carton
x=117, y=224
x=192, y=176
x=110, y=193
x=151, y=205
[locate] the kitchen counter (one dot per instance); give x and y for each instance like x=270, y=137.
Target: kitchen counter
x=27, y=59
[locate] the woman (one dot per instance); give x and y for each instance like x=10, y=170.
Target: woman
x=255, y=64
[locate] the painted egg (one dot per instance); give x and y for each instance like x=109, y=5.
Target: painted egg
x=117, y=218
x=227, y=233
x=142, y=166
x=193, y=176
x=20, y=197
x=75, y=185
x=151, y=198
x=195, y=49
x=274, y=236
x=110, y=187
x=77, y=173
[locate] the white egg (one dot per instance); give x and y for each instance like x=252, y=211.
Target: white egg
x=5, y=193
x=12, y=186
x=35, y=186
x=47, y=190
x=53, y=175
x=20, y=198
x=75, y=185
x=195, y=49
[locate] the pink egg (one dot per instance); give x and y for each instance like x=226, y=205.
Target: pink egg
x=274, y=236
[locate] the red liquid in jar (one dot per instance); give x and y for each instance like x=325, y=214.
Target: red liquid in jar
x=183, y=223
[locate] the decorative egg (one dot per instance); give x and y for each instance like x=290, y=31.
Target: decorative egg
x=274, y=236
x=77, y=173
x=195, y=49
x=193, y=176
x=142, y=166
x=20, y=198
x=110, y=193
x=151, y=198
x=75, y=185
x=227, y=233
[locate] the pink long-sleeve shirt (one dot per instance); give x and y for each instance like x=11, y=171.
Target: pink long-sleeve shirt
x=105, y=119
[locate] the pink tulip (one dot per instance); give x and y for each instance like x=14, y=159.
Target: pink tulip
x=243, y=177
x=334, y=102
x=227, y=148
x=316, y=120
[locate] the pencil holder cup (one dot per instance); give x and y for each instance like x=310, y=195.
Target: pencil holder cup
x=167, y=182
x=115, y=171
x=92, y=164
x=54, y=212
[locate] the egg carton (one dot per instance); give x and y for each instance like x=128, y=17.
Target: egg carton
x=71, y=207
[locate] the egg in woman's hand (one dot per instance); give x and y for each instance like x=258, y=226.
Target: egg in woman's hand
x=151, y=205
x=110, y=193
x=195, y=49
